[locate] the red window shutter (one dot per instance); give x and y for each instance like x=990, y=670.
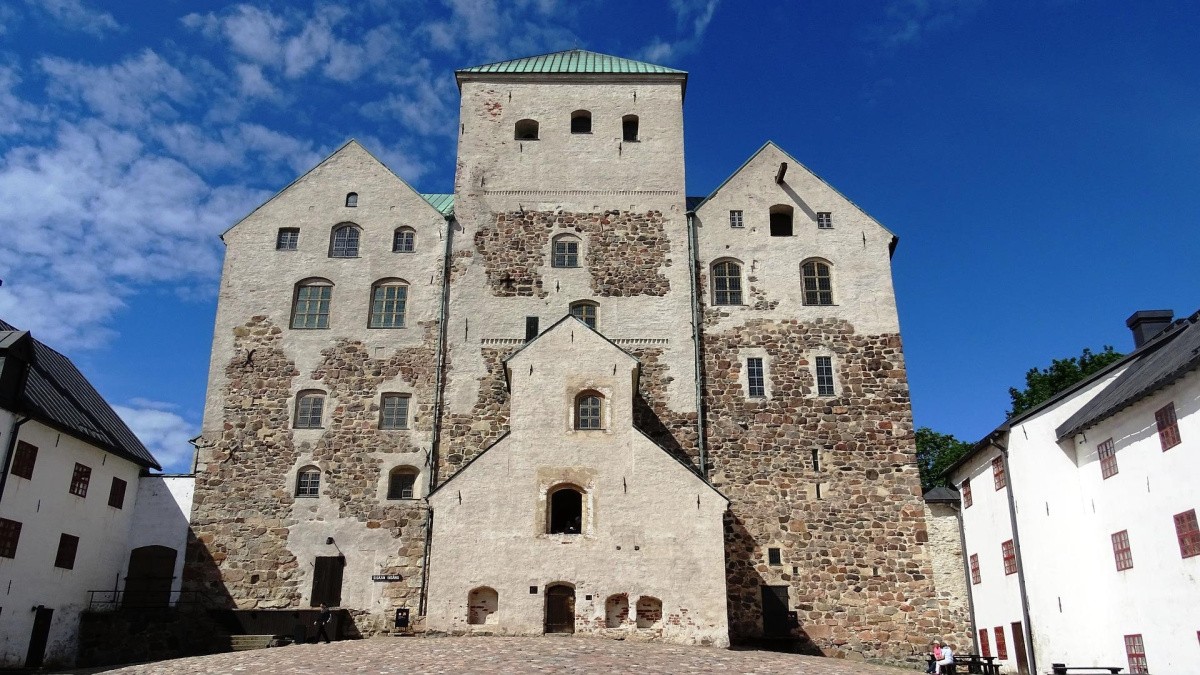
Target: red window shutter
x=1168, y=426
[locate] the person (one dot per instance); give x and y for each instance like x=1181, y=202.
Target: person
x=323, y=620
x=947, y=657
x=935, y=655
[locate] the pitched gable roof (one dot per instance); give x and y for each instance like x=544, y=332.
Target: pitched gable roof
x=57, y=394
x=572, y=61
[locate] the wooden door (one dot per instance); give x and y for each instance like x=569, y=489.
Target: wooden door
x=39, y=637
x=1019, y=647
x=151, y=571
x=327, y=581
x=775, y=610
x=560, y=609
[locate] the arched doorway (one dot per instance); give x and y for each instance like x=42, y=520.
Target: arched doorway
x=151, y=571
x=560, y=609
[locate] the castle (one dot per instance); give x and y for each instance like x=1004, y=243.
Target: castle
x=567, y=397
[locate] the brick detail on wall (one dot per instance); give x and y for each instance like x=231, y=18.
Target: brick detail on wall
x=624, y=251
x=863, y=581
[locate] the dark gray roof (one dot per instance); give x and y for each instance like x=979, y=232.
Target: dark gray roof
x=942, y=494
x=57, y=394
x=1162, y=360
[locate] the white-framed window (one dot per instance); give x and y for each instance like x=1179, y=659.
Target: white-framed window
x=288, y=239
x=566, y=251
x=818, y=282
x=727, y=283
x=824, y=375
x=404, y=240
x=589, y=411
x=343, y=243
x=735, y=219
x=756, y=386
x=310, y=307
x=310, y=408
x=824, y=220
x=393, y=411
x=587, y=312
x=389, y=302
x=308, y=482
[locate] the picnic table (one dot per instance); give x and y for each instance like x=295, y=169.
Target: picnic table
x=970, y=663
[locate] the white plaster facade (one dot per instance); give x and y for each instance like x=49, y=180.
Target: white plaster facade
x=1079, y=604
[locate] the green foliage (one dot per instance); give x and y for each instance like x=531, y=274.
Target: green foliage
x=1042, y=384
x=935, y=452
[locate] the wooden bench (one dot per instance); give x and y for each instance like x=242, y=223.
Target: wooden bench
x=1063, y=669
x=970, y=663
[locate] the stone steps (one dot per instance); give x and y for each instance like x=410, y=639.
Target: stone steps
x=241, y=643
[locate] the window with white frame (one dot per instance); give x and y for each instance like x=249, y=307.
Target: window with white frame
x=393, y=411
x=735, y=219
x=756, y=386
x=404, y=240
x=824, y=220
x=308, y=482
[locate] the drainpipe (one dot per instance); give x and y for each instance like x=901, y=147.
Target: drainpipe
x=8, y=452
x=962, y=542
x=1012, y=517
x=701, y=442
x=423, y=599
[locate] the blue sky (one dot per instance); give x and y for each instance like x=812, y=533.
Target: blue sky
x=1039, y=160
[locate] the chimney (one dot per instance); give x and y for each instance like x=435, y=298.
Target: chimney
x=1147, y=323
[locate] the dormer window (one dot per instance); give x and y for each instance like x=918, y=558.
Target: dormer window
x=526, y=130
x=352, y=199
x=581, y=122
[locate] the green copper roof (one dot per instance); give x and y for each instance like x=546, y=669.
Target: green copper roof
x=572, y=61
x=442, y=202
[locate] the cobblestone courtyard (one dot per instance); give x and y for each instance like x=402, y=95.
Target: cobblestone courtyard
x=504, y=655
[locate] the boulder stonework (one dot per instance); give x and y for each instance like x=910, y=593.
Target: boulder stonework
x=605, y=471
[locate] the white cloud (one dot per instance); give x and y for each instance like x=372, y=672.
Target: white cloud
x=75, y=15
x=911, y=21
x=15, y=112
x=692, y=18
x=164, y=433
x=138, y=89
x=252, y=83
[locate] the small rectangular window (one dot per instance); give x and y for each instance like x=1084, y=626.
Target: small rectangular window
x=401, y=485
x=309, y=411
x=975, y=578
x=1121, y=550
x=825, y=376
x=754, y=378
x=10, y=535
x=1108, y=458
x=966, y=493
x=1135, y=651
x=773, y=557
x=1009, y=552
x=824, y=220
x=998, y=477
x=1168, y=426
x=566, y=253
x=288, y=239
x=68, y=545
x=735, y=219
x=393, y=413
x=1188, y=533
x=116, y=493
x=24, y=459
x=1001, y=645
x=531, y=328
x=985, y=649
x=80, y=480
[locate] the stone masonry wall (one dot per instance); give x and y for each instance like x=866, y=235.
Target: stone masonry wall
x=854, y=557
x=624, y=251
x=949, y=572
x=672, y=430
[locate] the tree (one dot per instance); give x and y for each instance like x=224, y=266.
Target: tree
x=1043, y=384
x=935, y=452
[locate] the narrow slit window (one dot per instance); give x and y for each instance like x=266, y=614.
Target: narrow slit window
x=825, y=376
x=754, y=378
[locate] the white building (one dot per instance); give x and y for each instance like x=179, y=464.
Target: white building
x=77, y=511
x=1079, y=516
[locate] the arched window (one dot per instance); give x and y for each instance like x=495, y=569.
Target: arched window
x=344, y=241
x=308, y=482
x=589, y=411
x=352, y=199
x=566, y=251
x=581, y=122
x=310, y=307
x=649, y=611
x=727, y=283
x=566, y=510
x=482, y=603
x=526, y=130
x=389, y=301
x=616, y=610
x=402, y=483
x=629, y=128
x=818, y=282
x=586, y=311
x=404, y=240
x=310, y=407
x=781, y=220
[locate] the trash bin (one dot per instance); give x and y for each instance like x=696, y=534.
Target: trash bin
x=401, y=617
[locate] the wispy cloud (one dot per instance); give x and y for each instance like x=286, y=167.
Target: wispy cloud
x=164, y=433
x=692, y=18
x=908, y=22
x=75, y=15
